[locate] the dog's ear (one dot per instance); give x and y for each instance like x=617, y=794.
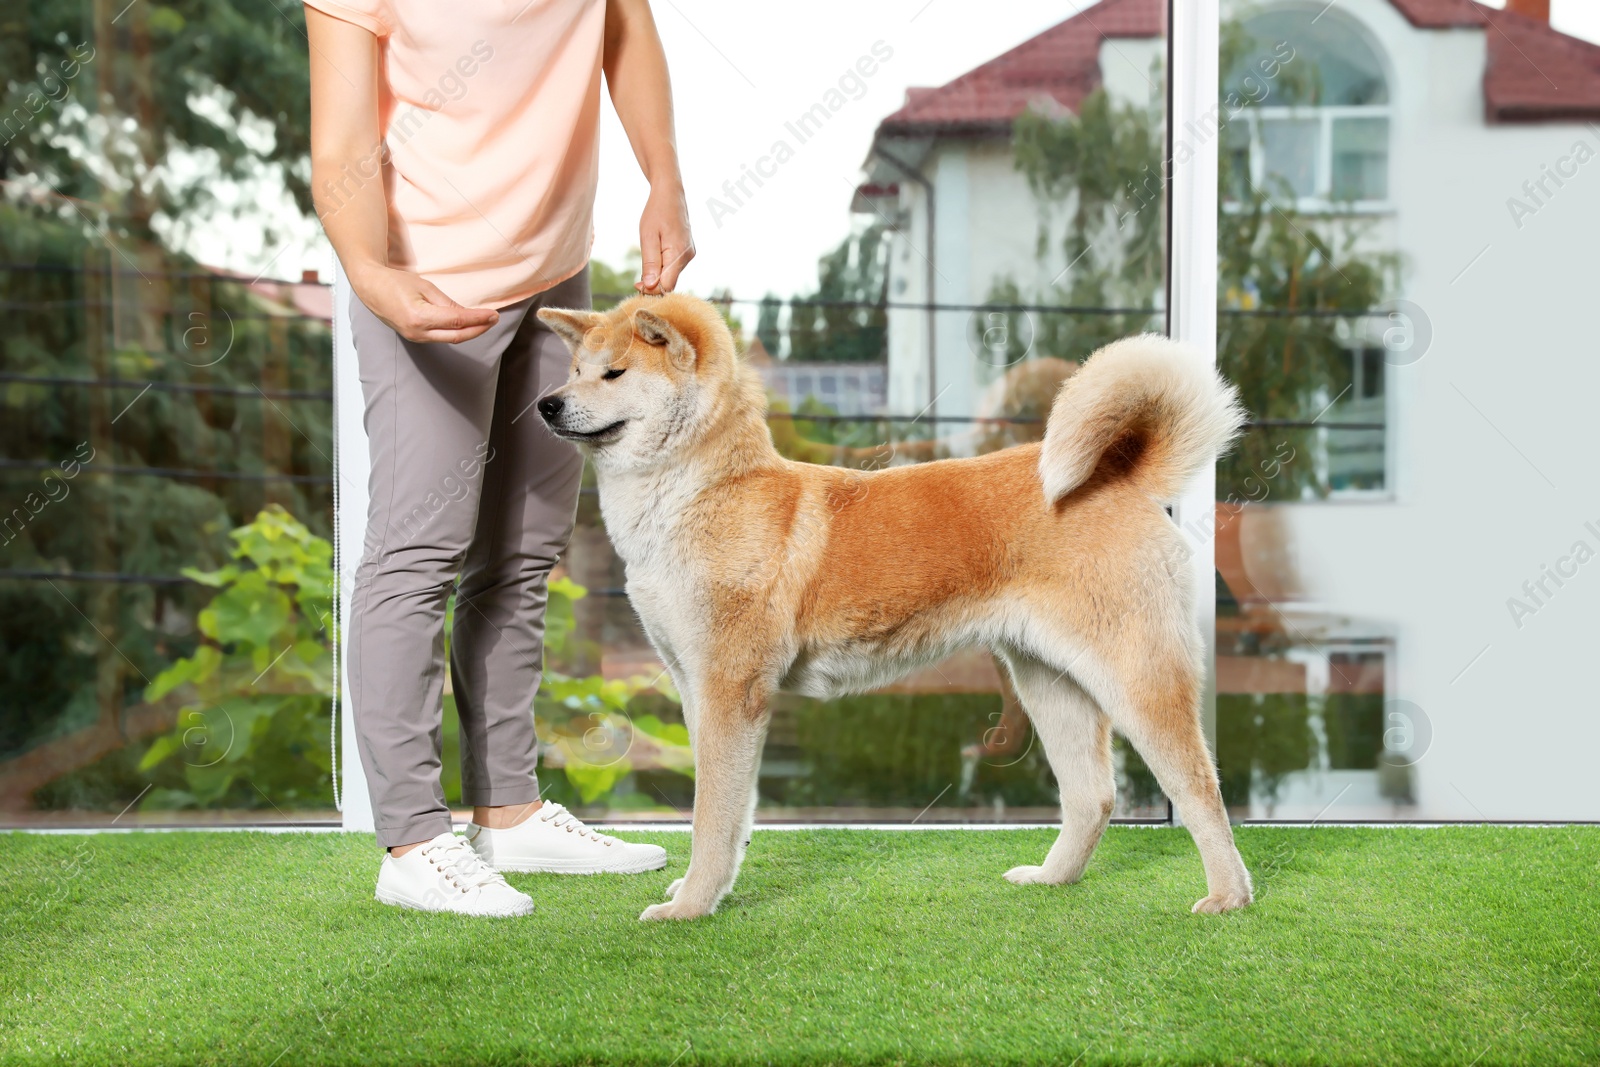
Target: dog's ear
x=658, y=330
x=570, y=326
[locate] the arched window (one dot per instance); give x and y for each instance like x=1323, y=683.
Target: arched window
x=1316, y=132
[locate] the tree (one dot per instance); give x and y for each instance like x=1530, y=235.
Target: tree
x=130, y=456
x=104, y=111
x=100, y=104
x=609, y=286
x=767, y=325
x=1096, y=177
x=844, y=320
x=1287, y=285
x=1289, y=288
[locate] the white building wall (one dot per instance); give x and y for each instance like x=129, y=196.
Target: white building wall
x=954, y=280
x=1493, y=449
x=1131, y=69
x=908, y=285
x=1005, y=225
x=987, y=229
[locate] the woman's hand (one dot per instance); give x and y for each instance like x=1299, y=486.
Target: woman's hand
x=414, y=308
x=636, y=72
x=345, y=142
x=665, y=244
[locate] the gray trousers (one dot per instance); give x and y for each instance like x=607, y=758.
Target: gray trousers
x=469, y=492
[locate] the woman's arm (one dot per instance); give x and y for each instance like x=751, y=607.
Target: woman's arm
x=347, y=187
x=641, y=91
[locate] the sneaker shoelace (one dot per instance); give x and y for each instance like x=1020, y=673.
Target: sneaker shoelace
x=461, y=865
x=562, y=819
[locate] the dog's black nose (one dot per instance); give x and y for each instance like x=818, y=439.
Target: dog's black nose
x=550, y=407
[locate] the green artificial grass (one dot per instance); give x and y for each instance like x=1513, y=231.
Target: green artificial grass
x=1430, y=946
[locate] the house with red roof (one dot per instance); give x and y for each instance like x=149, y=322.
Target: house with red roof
x=1445, y=74
x=1462, y=138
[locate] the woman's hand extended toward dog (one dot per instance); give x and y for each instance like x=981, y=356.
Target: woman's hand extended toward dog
x=416, y=309
x=666, y=246
x=641, y=92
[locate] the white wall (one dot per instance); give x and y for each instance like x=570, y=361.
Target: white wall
x=952, y=215
x=987, y=228
x=908, y=284
x=1130, y=69
x=1495, y=450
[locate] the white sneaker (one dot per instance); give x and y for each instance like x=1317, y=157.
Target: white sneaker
x=447, y=875
x=554, y=840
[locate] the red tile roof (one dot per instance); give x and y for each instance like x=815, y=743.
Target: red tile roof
x=1534, y=73
x=307, y=298
x=1062, y=63
x=1440, y=14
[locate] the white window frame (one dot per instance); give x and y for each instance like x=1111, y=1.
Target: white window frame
x=1194, y=45
x=1321, y=201
x=352, y=463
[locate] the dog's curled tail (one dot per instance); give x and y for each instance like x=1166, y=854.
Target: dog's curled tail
x=1145, y=409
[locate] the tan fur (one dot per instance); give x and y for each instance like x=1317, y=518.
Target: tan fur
x=752, y=572
x=1145, y=403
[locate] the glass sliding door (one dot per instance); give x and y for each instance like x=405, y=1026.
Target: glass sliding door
x=995, y=211
x=1402, y=534
x=165, y=488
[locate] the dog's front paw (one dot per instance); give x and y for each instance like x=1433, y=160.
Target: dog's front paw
x=672, y=890
x=1217, y=903
x=670, y=910
x=1026, y=876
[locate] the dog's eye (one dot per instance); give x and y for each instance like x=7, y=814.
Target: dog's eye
x=614, y=372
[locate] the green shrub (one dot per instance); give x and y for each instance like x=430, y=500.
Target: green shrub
x=255, y=731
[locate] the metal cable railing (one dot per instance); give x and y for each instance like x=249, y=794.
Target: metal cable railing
x=252, y=391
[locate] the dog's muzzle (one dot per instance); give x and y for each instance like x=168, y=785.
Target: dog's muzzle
x=551, y=409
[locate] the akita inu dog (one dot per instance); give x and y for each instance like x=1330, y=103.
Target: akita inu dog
x=753, y=573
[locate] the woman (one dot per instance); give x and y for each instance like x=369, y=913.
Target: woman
x=453, y=165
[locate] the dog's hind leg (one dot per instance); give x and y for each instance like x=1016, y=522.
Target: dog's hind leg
x=730, y=729
x=1160, y=714
x=1076, y=735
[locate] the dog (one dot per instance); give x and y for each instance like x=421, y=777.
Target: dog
x=753, y=573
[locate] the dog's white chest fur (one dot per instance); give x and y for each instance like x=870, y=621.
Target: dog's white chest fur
x=642, y=514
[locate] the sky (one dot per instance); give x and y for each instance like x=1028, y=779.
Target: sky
x=740, y=71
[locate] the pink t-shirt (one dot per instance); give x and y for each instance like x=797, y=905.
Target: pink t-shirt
x=490, y=112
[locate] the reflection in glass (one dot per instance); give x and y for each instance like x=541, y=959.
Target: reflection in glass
x=1333, y=60
x=1289, y=155
x=1360, y=159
